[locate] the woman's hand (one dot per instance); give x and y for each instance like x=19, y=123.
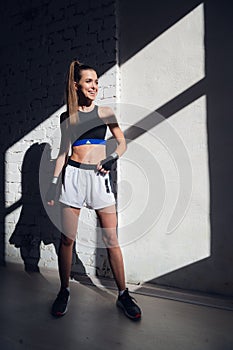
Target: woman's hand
x=106, y=164
x=51, y=193
x=101, y=169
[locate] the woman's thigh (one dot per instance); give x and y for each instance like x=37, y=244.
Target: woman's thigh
x=69, y=221
x=108, y=222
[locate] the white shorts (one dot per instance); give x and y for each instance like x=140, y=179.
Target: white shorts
x=83, y=185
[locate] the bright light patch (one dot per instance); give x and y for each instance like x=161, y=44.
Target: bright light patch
x=167, y=66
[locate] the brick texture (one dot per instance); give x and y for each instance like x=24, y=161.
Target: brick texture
x=40, y=38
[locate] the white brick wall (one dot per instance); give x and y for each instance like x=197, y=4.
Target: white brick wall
x=42, y=38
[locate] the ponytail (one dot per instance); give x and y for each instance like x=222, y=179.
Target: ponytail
x=74, y=75
x=71, y=94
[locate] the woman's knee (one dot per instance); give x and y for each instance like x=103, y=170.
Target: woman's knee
x=110, y=241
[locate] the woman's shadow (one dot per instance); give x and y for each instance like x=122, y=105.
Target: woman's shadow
x=33, y=226
x=38, y=222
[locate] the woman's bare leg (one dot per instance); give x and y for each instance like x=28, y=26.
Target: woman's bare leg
x=108, y=221
x=69, y=227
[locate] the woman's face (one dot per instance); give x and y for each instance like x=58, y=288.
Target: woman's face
x=88, y=84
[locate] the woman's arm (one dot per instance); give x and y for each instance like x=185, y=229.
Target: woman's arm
x=61, y=159
x=108, y=116
x=64, y=146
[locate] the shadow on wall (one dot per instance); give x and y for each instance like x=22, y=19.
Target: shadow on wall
x=143, y=22
x=213, y=274
x=33, y=226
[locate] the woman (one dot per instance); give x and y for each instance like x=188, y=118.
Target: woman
x=86, y=180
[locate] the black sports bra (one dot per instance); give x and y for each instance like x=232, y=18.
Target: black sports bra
x=90, y=130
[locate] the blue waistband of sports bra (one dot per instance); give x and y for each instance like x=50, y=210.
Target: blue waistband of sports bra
x=89, y=142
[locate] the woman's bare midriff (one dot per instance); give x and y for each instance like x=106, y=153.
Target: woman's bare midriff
x=88, y=154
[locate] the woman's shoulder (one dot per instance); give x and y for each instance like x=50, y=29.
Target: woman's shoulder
x=105, y=111
x=107, y=114
x=63, y=116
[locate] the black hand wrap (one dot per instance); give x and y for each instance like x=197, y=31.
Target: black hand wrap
x=51, y=193
x=109, y=161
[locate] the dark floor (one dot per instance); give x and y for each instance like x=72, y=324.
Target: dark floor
x=94, y=322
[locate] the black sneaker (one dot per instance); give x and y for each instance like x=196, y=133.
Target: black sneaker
x=126, y=303
x=60, y=305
